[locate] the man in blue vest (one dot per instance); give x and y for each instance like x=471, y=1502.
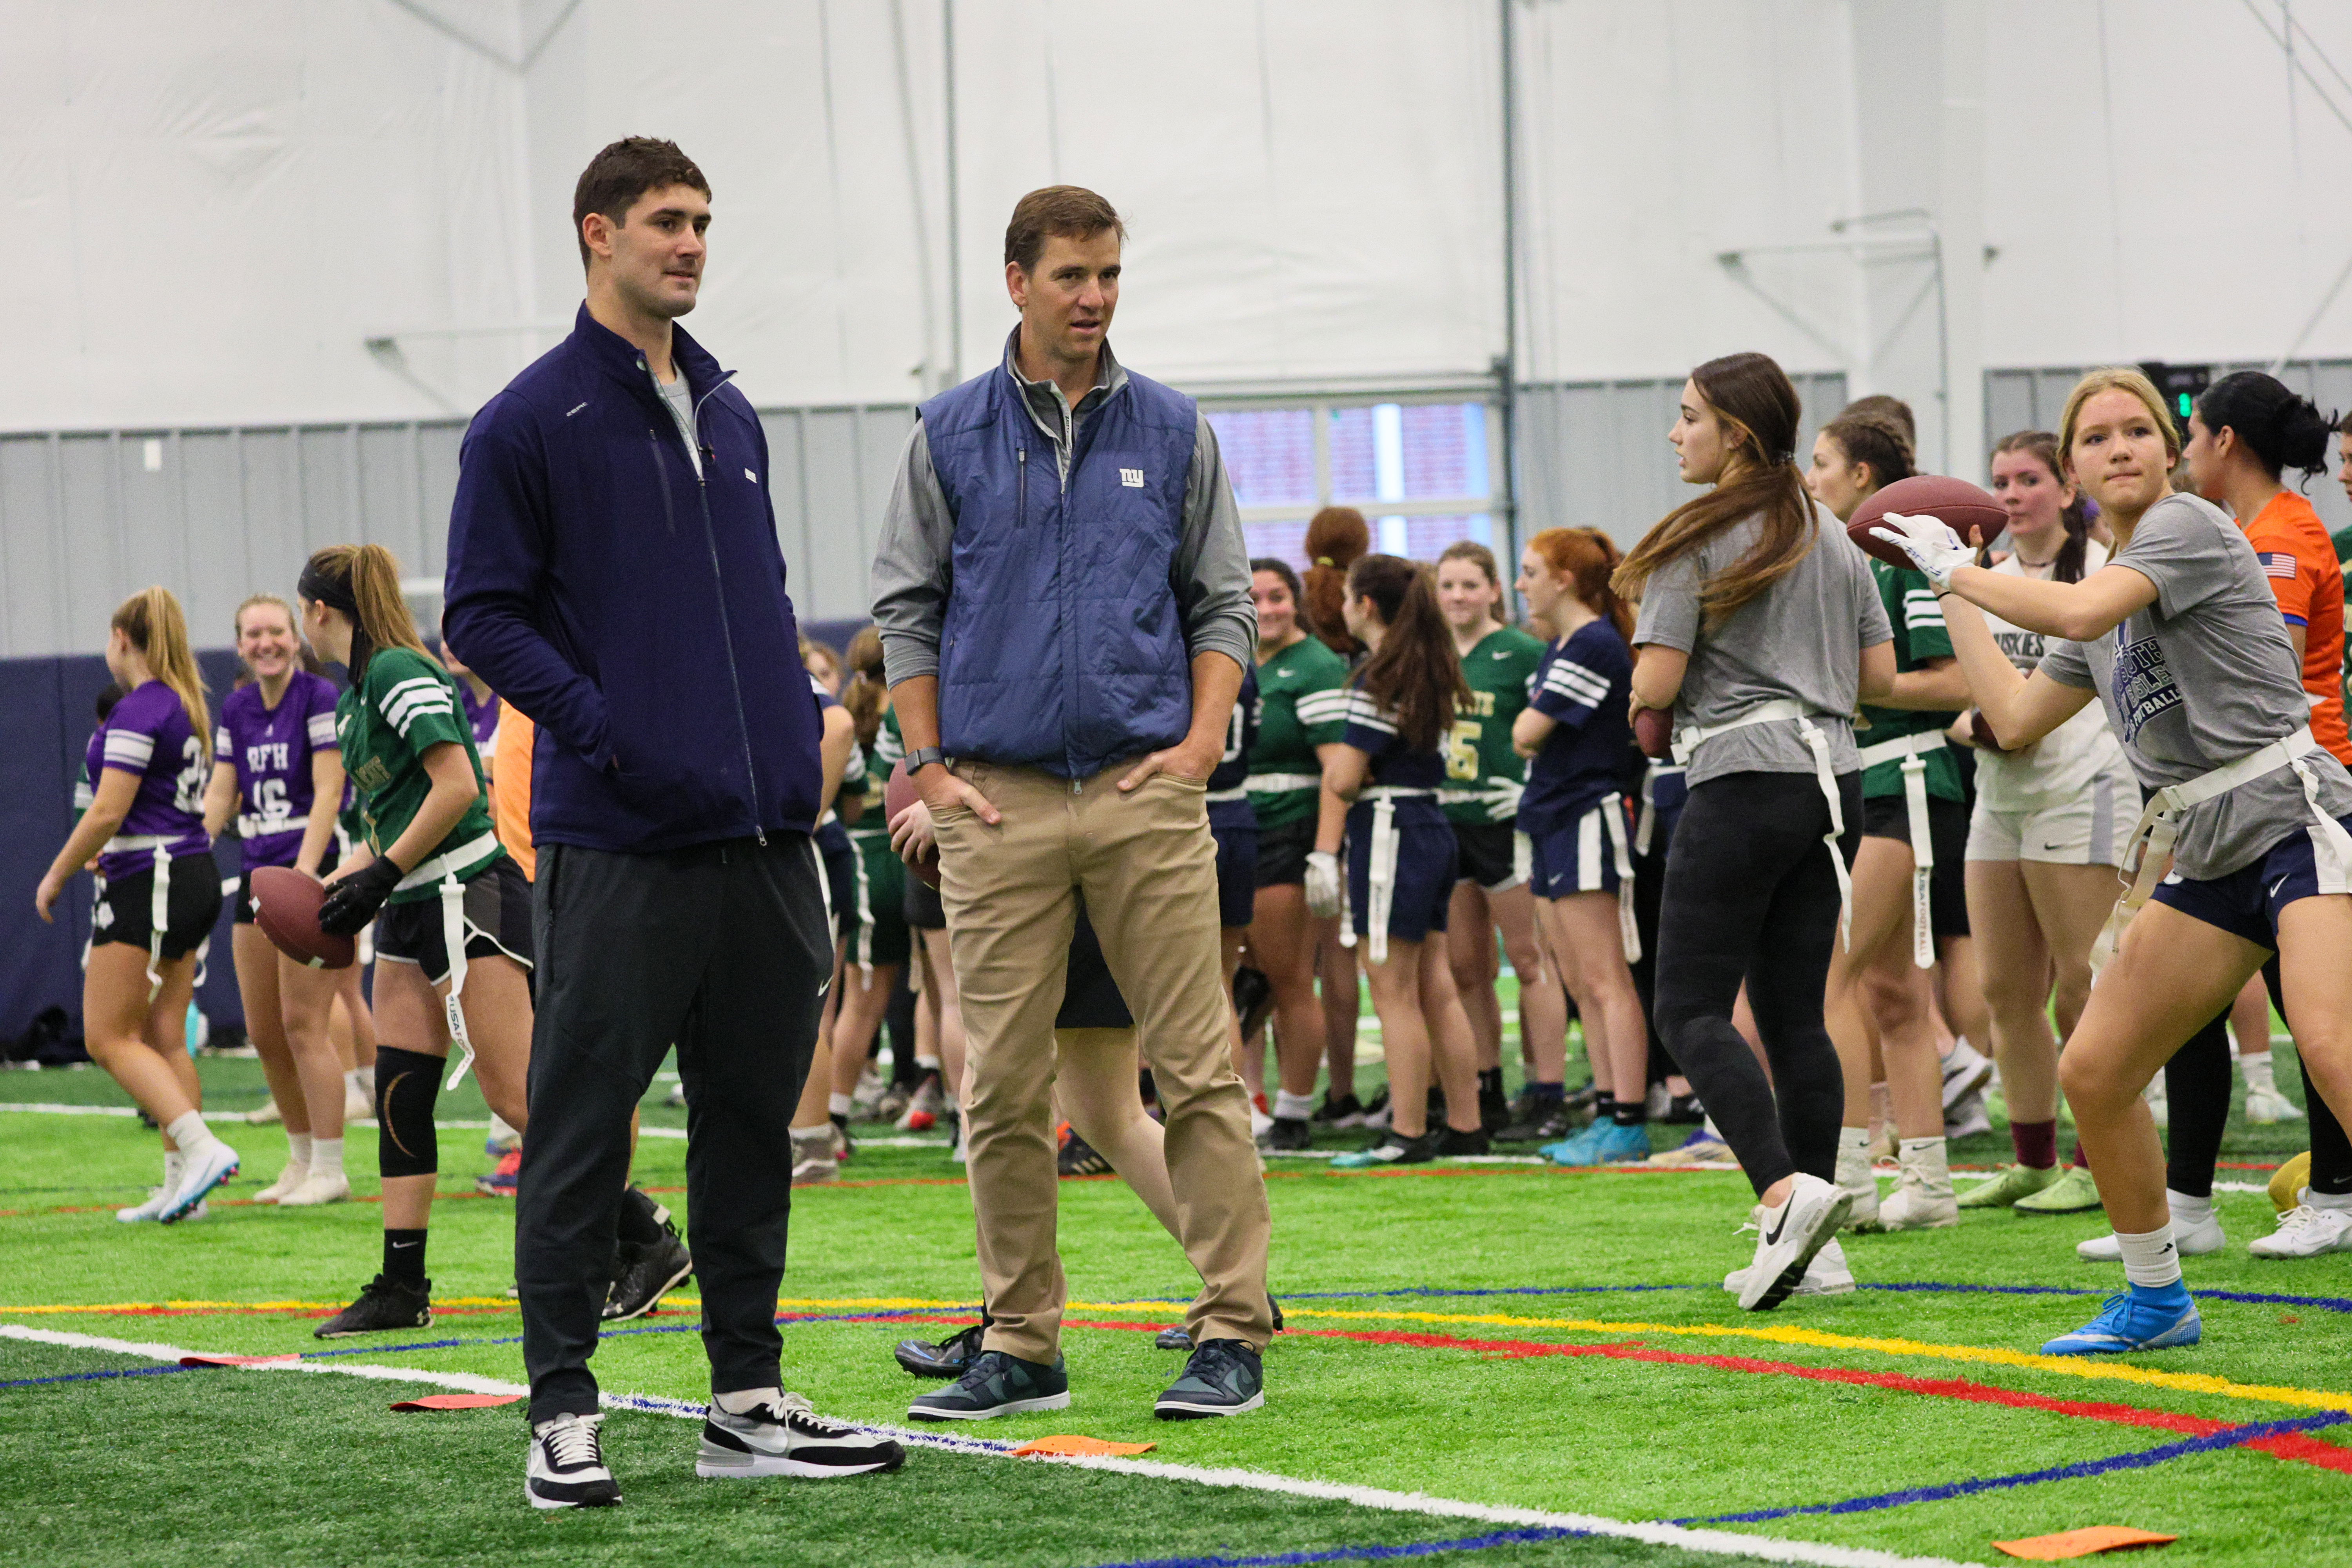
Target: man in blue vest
x=1063, y=595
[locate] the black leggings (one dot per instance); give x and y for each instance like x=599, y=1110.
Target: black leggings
x=2197, y=1083
x=1751, y=895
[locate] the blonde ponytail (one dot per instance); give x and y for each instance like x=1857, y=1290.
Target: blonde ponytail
x=363, y=581
x=152, y=621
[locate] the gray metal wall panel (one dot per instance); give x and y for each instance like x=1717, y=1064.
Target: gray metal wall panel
x=833, y=569
x=202, y=468
x=785, y=490
x=33, y=611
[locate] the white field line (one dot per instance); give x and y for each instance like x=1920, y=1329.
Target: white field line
x=1719, y=1543
x=40, y=1108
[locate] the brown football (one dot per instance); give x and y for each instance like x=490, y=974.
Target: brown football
x=1966, y=511
x=1653, y=731
x=286, y=907
x=897, y=794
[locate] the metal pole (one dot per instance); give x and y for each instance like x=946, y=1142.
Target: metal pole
x=1506, y=366
x=955, y=227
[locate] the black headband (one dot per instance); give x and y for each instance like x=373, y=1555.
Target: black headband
x=316, y=584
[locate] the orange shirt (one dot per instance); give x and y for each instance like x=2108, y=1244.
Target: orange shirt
x=2299, y=558
x=510, y=801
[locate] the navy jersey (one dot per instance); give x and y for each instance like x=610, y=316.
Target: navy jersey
x=1231, y=775
x=1583, y=685
x=1371, y=730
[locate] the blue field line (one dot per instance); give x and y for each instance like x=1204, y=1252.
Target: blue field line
x=2228, y=1438
x=92, y=1376
x=1524, y=1537
x=694, y=1327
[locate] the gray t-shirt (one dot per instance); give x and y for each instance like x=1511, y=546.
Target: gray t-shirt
x=2201, y=677
x=679, y=399
x=1800, y=638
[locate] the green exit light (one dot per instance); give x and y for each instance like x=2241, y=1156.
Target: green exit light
x=2187, y=406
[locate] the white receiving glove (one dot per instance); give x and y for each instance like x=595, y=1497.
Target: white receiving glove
x=1323, y=884
x=1933, y=547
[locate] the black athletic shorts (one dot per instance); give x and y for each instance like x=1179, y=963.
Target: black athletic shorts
x=327, y=864
x=1885, y=816
x=1489, y=854
x=1282, y=852
x=1236, y=874
x=1092, y=1000
x=922, y=909
x=496, y=916
x=840, y=857
x=125, y=910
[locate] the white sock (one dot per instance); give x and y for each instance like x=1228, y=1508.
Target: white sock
x=2260, y=1073
x=326, y=1156
x=173, y=1164
x=189, y=1132
x=1289, y=1107
x=1853, y=1140
x=743, y=1401
x=837, y=1104
x=2340, y=1201
x=926, y=1064
x=2150, y=1259
x=2188, y=1211
x=297, y=1149
x=1709, y=1127
x=367, y=1082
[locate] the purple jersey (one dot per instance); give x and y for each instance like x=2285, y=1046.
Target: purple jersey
x=270, y=749
x=481, y=717
x=148, y=736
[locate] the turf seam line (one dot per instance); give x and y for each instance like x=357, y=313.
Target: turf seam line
x=1712, y=1541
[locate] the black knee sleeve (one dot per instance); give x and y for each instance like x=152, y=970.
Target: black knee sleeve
x=406, y=1085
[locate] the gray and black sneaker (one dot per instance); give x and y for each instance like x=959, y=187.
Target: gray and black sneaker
x=787, y=1438
x=1287, y=1135
x=1541, y=1122
x=1224, y=1377
x=951, y=1357
x=643, y=1273
x=566, y=1468
x=387, y=1304
x=1179, y=1338
x=997, y=1384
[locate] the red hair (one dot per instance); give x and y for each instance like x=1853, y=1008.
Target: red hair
x=1588, y=559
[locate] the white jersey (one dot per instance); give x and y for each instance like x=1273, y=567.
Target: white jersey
x=2060, y=767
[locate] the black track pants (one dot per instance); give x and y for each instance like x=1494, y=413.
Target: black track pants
x=1751, y=895
x=2197, y=1083
x=721, y=949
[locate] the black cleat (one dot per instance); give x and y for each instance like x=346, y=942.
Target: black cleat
x=1077, y=1157
x=1288, y=1135
x=1546, y=1121
x=1339, y=1111
x=644, y=1273
x=385, y=1305
x=951, y=1357
x=1456, y=1143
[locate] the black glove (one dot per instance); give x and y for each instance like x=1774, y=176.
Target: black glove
x=353, y=902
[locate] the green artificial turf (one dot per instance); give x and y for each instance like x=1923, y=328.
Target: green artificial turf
x=277, y=1467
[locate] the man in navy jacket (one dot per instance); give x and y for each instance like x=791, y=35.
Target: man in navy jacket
x=614, y=573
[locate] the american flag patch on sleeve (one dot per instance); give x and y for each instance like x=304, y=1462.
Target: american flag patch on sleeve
x=2276, y=563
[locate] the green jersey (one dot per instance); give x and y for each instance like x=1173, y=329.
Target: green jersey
x=404, y=705
x=1302, y=704
x=1483, y=775
x=890, y=746
x=1919, y=635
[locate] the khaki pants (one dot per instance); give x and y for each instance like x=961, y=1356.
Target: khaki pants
x=1147, y=866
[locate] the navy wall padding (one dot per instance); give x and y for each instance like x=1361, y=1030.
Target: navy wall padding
x=46, y=713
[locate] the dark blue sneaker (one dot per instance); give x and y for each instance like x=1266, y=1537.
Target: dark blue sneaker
x=1224, y=1377
x=2135, y=1319
x=997, y=1384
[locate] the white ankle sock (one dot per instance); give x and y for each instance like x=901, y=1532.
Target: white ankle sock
x=297, y=1149
x=173, y=1164
x=2188, y=1211
x=367, y=1082
x=838, y=1104
x=326, y=1156
x=2150, y=1258
x=2314, y=1199
x=189, y=1132
x=1853, y=1140
x=1292, y=1107
x=743, y=1401
x=2260, y=1072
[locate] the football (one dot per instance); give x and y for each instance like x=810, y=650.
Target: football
x=286, y=907
x=1653, y=731
x=1966, y=511
x=897, y=796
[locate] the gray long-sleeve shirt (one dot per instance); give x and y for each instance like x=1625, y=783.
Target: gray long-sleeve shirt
x=911, y=579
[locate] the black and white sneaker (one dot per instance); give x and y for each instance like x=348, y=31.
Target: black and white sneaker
x=644, y=1273
x=566, y=1468
x=386, y=1304
x=784, y=1438
x=1286, y=1135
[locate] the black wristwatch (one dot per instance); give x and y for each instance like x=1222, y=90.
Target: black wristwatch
x=922, y=757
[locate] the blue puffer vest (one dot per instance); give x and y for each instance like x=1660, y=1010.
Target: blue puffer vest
x=1064, y=648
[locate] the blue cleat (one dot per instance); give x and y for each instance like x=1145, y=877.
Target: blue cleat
x=2135, y=1319
x=1621, y=1145
x=1579, y=1148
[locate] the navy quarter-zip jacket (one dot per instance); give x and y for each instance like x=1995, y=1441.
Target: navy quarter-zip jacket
x=636, y=612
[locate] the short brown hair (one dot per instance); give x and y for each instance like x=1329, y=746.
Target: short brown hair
x=615, y=177
x=1073, y=212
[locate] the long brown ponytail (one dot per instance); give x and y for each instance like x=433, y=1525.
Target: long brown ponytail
x=363, y=581
x=1336, y=538
x=152, y=619
x=1588, y=558
x=1759, y=407
x=865, y=691
x=1415, y=673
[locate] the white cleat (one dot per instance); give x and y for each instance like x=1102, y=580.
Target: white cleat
x=319, y=1187
x=2192, y=1240
x=1789, y=1237
x=1922, y=1199
x=2267, y=1106
x=1826, y=1275
x=203, y=1169
x=291, y=1177
x=2306, y=1232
